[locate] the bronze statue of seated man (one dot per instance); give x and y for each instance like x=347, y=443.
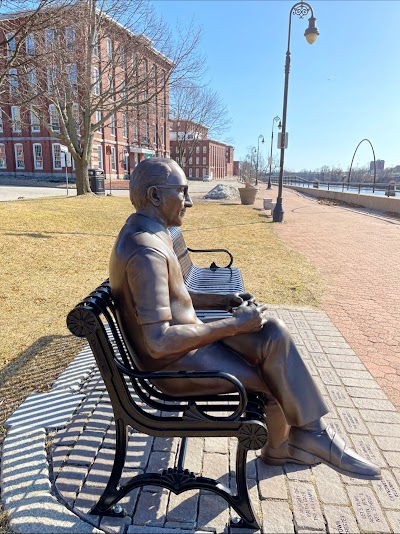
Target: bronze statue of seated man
x=158, y=320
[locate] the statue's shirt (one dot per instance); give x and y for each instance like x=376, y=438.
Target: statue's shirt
x=147, y=284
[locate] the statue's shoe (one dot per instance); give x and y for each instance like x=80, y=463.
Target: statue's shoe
x=328, y=447
x=280, y=456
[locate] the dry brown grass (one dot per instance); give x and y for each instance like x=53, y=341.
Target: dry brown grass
x=56, y=250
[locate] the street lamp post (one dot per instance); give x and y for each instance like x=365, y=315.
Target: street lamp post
x=300, y=9
x=252, y=160
x=274, y=120
x=258, y=150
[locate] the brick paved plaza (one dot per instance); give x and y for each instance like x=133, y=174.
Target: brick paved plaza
x=59, y=446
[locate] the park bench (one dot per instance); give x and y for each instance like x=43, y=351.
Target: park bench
x=139, y=404
x=212, y=279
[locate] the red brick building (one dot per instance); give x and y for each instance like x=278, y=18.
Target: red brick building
x=29, y=151
x=199, y=156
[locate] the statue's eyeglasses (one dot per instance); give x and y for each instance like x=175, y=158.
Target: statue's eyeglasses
x=183, y=188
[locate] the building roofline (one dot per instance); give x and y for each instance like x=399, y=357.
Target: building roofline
x=140, y=36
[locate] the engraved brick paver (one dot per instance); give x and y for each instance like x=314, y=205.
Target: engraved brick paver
x=340, y=520
x=306, y=509
x=368, y=512
x=387, y=490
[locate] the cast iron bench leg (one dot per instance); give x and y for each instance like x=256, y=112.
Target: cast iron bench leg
x=111, y=493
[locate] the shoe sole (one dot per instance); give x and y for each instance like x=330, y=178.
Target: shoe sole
x=309, y=458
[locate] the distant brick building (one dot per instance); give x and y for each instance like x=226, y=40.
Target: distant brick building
x=29, y=151
x=199, y=156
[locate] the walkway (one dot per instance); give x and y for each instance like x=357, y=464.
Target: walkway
x=358, y=254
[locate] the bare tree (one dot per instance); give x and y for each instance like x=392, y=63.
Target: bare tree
x=98, y=69
x=195, y=109
x=19, y=19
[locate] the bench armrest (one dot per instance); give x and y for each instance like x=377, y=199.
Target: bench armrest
x=213, y=265
x=154, y=375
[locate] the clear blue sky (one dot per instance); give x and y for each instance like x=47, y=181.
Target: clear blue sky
x=343, y=88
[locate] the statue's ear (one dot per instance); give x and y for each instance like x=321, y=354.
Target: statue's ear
x=153, y=196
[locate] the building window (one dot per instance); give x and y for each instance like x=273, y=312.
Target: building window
x=75, y=114
x=96, y=81
x=124, y=126
x=190, y=172
x=32, y=78
x=204, y=161
x=126, y=160
x=100, y=156
x=1, y=121
x=37, y=156
x=113, y=159
x=70, y=37
x=56, y=156
x=123, y=89
x=111, y=87
x=197, y=173
x=72, y=72
x=54, y=118
x=197, y=160
x=3, y=162
x=11, y=44
x=135, y=129
x=30, y=45
x=35, y=122
x=190, y=160
x=197, y=150
x=145, y=132
x=96, y=48
x=51, y=79
x=204, y=150
x=205, y=171
x=122, y=57
x=19, y=156
x=155, y=134
x=13, y=74
x=163, y=135
x=16, y=119
x=109, y=49
x=177, y=159
x=112, y=124
x=50, y=36
x=98, y=119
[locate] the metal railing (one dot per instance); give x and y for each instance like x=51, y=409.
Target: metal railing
x=387, y=189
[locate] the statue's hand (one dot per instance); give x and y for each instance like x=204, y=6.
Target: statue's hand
x=233, y=300
x=250, y=317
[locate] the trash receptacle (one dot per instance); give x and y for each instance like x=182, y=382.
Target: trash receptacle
x=96, y=180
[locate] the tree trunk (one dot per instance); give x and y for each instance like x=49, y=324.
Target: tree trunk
x=82, y=177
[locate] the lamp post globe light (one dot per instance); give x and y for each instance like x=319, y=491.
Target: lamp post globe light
x=258, y=150
x=274, y=120
x=301, y=9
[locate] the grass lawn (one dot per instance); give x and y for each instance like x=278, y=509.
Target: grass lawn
x=55, y=250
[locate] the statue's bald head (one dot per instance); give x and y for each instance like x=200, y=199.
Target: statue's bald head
x=152, y=171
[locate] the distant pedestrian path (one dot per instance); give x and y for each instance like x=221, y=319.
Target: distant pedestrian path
x=358, y=254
